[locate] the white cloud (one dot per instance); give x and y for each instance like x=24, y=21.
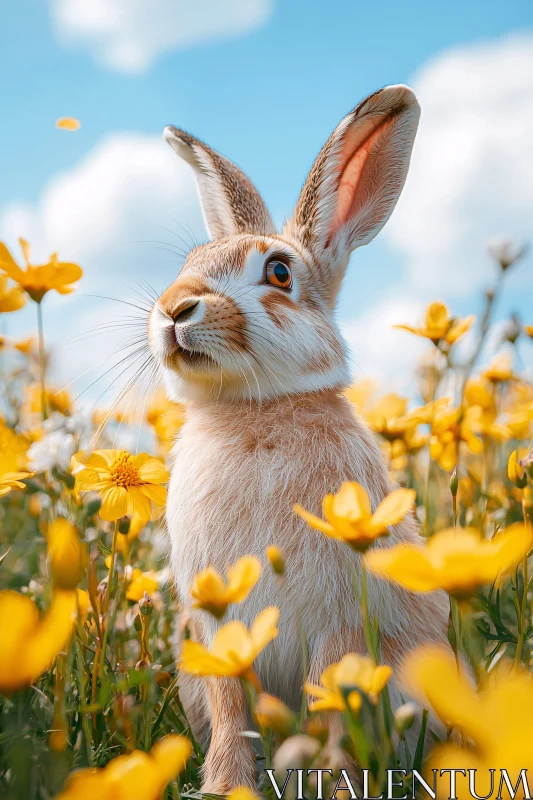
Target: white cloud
x=128, y=35
x=471, y=175
x=124, y=213
x=378, y=350
x=107, y=211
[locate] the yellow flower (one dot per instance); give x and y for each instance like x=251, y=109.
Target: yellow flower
x=456, y=560
x=449, y=427
x=127, y=484
x=234, y=648
x=529, y=331
x=68, y=124
x=37, y=281
x=275, y=557
x=166, y=418
x=11, y=297
x=141, y=582
x=388, y=416
x=242, y=793
x=29, y=644
x=349, y=517
x=134, y=776
x=67, y=554
x=352, y=672
x=13, y=480
x=495, y=726
x=501, y=370
x=438, y=325
x=272, y=714
x=210, y=592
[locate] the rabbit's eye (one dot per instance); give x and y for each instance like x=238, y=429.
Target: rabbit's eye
x=278, y=274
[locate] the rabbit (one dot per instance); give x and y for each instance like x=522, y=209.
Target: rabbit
x=246, y=336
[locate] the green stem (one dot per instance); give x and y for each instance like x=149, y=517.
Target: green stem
x=367, y=627
x=108, y=592
x=522, y=619
x=42, y=360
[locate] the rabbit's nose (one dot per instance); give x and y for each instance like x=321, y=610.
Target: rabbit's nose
x=186, y=310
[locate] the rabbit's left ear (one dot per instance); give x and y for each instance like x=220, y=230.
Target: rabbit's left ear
x=357, y=177
x=230, y=202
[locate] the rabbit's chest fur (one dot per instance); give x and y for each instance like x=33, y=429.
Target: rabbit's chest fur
x=238, y=472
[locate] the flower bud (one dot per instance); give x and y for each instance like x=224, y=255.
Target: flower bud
x=277, y=562
x=515, y=471
x=454, y=482
x=506, y=252
x=512, y=329
x=124, y=525
x=404, y=717
x=272, y=714
x=296, y=752
x=34, y=505
x=141, y=664
x=145, y=605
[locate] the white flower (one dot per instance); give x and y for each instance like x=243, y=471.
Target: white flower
x=506, y=251
x=55, y=449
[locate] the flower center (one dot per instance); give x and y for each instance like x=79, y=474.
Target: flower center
x=123, y=473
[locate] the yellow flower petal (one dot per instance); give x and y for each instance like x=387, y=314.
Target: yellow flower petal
x=114, y=503
x=197, y=659
x=393, y=508
x=264, y=628
x=405, y=565
x=315, y=522
x=151, y=469
x=171, y=755
x=243, y=577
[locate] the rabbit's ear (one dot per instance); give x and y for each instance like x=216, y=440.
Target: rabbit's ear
x=230, y=202
x=357, y=178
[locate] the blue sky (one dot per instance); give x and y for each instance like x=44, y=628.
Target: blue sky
x=267, y=95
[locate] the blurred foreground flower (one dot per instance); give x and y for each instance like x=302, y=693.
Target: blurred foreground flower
x=234, y=648
x=38, y=280
x=456, y=560
x=127, y=484
x=134, y=775
x=495, y=722
x=29, y=643
x=210, y=592
x=438, y=325
x=273, y=715
x=349, y=515
x=67, y=554
x=351, y=673
x=276, y=559
x=11, y=297
x=68, y=124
